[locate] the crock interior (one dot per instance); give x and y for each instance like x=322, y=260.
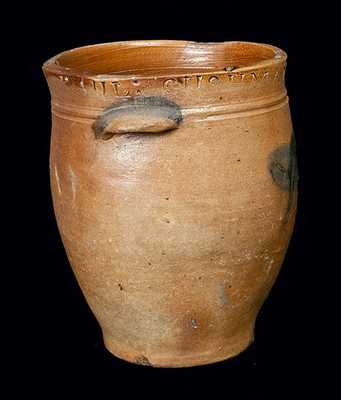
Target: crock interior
x=164, y=57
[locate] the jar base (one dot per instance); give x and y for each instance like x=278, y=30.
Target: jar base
x=220, y=353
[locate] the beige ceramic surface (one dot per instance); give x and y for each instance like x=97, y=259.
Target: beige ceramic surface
x=174, y=178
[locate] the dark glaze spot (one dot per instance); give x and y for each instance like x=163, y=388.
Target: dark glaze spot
x=142, y=360
x=157, y=106
x=120, y=286
x=283, y=169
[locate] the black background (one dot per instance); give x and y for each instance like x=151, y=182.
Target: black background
x=67, y=352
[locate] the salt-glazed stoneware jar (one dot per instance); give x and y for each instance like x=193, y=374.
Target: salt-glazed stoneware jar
x=174, y=183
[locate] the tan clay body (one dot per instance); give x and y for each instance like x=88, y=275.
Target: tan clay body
x=174, y=176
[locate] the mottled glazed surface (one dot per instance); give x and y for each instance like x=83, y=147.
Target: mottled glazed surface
x=175, y=228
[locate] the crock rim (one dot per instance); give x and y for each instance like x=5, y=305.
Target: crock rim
x=51, y=65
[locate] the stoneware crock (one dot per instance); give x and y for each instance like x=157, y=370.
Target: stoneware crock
x=174, y=183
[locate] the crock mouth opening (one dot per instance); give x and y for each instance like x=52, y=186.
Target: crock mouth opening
x=156, y=58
